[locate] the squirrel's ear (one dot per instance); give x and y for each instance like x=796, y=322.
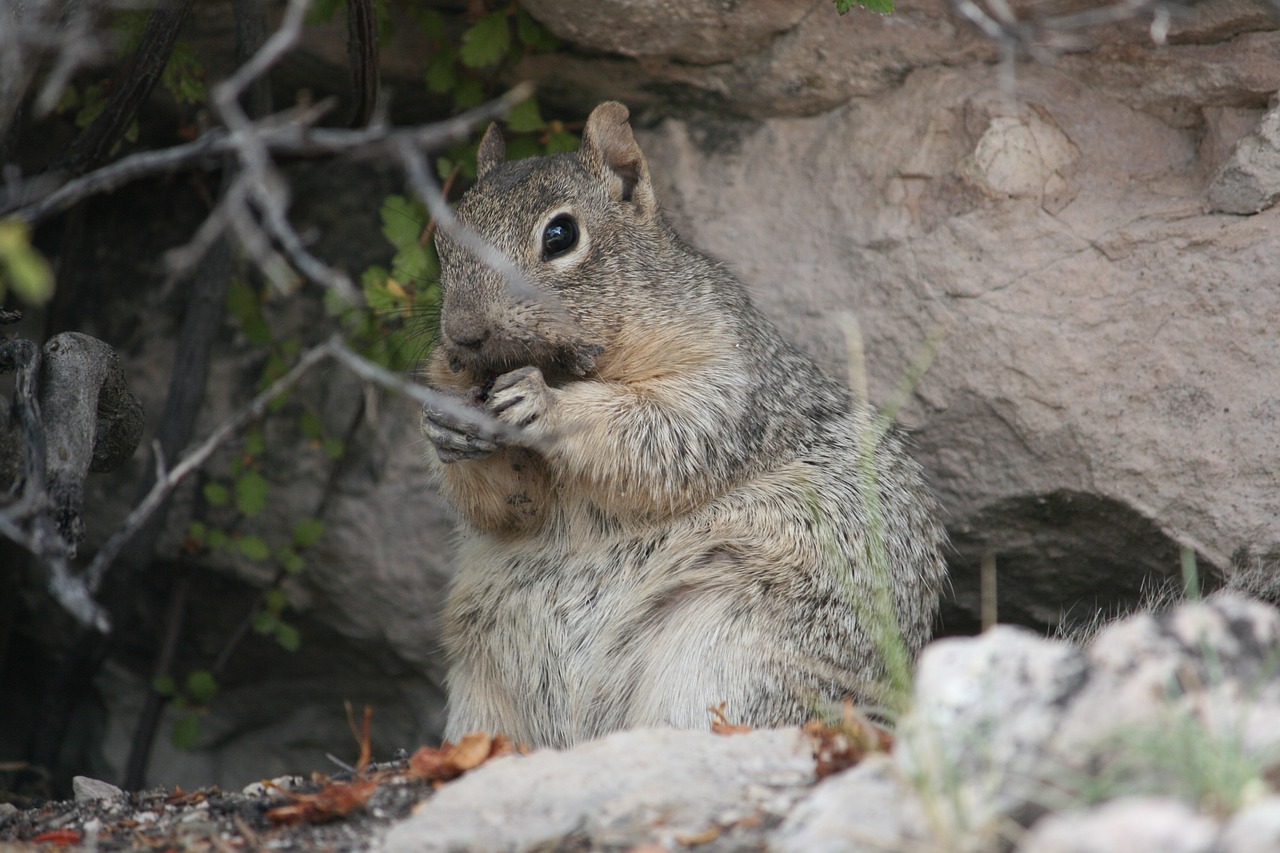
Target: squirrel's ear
x=609, y=151
x=492, y=151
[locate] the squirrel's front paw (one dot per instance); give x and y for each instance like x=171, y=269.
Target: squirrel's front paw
x=522, y=399
x=454, y=438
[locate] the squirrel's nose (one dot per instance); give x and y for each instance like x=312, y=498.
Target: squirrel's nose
x=470, y=338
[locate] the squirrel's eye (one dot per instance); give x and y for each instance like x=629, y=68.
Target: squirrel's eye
x=560, y=235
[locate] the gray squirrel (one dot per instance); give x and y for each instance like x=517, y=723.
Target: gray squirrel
x=683, y=510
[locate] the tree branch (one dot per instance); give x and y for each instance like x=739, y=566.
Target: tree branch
x=362, y=55
x=95, y=143
x=283, y=134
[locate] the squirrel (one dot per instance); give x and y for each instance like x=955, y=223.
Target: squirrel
x=684, y=511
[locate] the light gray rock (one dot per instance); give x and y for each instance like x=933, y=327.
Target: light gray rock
x=90, y=790
x=867, y=808
x=1249, y=179
x=1204, y=669
x=1124, y=826
x=1253, y=829
x=644, y=786
x=1007, y=726
x=983, y=713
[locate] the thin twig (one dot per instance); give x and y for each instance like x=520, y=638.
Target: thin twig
x=425, y=187
x=166, y=482
x=334, y=348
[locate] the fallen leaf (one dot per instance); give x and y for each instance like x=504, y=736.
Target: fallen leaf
x=450, y=760
x=58, y=837
x=711, y=833
x=720, y=723
x=333, y=801
x=841, y=745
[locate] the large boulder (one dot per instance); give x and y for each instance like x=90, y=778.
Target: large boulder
x=1104, y=391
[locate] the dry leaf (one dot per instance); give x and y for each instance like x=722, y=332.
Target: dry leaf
x=451, y=760
x=58, y=837
x=333, y=801
x=841, y=746
x=711, y=833
x=720, y=723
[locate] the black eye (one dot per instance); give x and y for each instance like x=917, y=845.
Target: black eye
x=560, y=235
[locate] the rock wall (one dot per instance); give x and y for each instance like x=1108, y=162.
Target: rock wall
x=1107, y=381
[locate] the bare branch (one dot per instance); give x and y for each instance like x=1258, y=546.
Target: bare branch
x=425, y=187
x=285, y=134
x=362, y=53
x=167, y=481
x=95, y=143
x=39, y=535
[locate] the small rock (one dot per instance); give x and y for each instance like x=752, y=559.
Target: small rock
x=1253, y=829
x=7, y=811
x=1249, y=180
x=93, y=790
x=1122, y=826
x=867, y=807
x=273, y=789
x=984, y=710
x=624, y=790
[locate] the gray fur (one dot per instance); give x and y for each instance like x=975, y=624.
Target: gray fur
x=672, y=530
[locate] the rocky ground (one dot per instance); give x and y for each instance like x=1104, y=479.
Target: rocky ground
x=1163, y=734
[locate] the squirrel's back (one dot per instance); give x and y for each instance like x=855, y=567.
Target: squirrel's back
x=685, y=511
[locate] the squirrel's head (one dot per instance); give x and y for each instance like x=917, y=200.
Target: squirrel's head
x=578, y=228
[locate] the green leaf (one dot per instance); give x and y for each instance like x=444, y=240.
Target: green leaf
x=441, y=75
x=321, y=11
x=414, y=264
x=525, y=117
x=245, y=306
x=519, y=147
x=290, y=560
x=311, y=425
x=443, y=167
x=402, y=221
x=183, y=75
x=91, y=105
x=69, y=100
x=186, y=732
x=200, y=686
x=278, y=405
x=265, y=622
x=217, y=538
x=335, y=304
x=334, y=448
x=251, y=493
x=242, y=300
x=275, y=600
x=431, y=21
x=561, y=140
x=253, y=547
x=468, y=93
x=21, y=266
x=882, y=6
x=288, y=637
x=533, y=34
x=255, y=443
x=198, y=531
x=216, y=494
x=164, y=685
x=307, y=532
x=486, y=41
